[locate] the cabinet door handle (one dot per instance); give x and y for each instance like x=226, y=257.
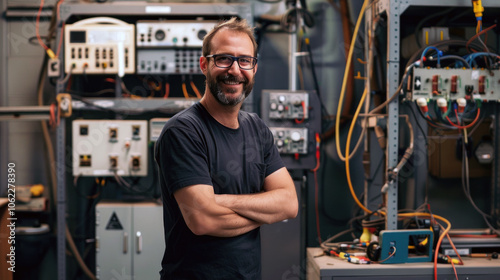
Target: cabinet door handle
x=125, y=242
x=139, y=242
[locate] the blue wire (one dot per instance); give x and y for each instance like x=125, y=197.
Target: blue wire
x=470, y=58
x=439, y=54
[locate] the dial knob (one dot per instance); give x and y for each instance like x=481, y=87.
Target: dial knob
x=295, y=136
x=201, y=34
x=279, y=143
x=160, y=35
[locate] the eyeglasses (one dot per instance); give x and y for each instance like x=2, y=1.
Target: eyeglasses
x=226, y=61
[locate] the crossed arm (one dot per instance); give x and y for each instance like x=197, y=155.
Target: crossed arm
x=206, y=213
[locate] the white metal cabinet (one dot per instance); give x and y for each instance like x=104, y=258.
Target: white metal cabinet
x=130, y=242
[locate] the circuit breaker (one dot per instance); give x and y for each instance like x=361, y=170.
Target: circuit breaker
x=99, y=45
x=110, y=147
x=456, y=83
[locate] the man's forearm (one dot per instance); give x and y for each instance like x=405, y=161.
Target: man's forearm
x=265, y=207
x=233, y=225
x=204, y=216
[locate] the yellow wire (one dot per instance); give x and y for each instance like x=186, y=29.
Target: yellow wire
x=344, y=82
x=351, y=129
x=347, y=147
x=184, y=90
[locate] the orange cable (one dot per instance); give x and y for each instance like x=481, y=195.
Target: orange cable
x=184, y=90
x=195, y=89
x=167, y=90
x=62, y=28
x=316, y=188
x=37, y=24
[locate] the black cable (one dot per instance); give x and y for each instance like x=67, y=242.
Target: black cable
x=324, y=111
x=418, y=123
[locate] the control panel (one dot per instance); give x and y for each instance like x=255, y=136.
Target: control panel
x=99, y=46
x=187, y=33
x=294, y=118
x=110, y=147
x=168, y=61
x=155, y=127
x=456, y=83
x=290, y=140
x=286, y=105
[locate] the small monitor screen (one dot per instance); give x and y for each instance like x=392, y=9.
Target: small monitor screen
x=77, y=37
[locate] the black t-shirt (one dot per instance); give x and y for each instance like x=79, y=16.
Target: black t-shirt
x=194, y=148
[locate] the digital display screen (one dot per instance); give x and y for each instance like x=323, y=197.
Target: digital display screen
x=77, y=36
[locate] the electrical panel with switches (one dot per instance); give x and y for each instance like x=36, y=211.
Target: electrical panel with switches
x=110, y=147
x=172, y=33
x=290, y=140
x=294, y=118
x=99, y=45
x=170, y=46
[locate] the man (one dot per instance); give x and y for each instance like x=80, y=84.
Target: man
x=221, y=175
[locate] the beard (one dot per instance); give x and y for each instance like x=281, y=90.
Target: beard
x=213, y=84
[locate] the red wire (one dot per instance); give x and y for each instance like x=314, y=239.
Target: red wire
x=303, y=113
x=454, y=268
x=61, y=38
x=469, y=125
x=316, y=191
x=51, y=115
x=62, y=28
x=477, y=35
x=37, y=27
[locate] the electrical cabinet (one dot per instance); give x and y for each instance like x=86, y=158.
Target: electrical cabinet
x=294, y=118
x=129, y=240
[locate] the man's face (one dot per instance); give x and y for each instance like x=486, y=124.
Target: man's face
x=230, y=86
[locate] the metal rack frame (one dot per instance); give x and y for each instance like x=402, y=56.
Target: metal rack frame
x=393, y=10
x=68, y=9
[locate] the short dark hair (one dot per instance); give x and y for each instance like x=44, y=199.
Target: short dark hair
x=239, y=25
